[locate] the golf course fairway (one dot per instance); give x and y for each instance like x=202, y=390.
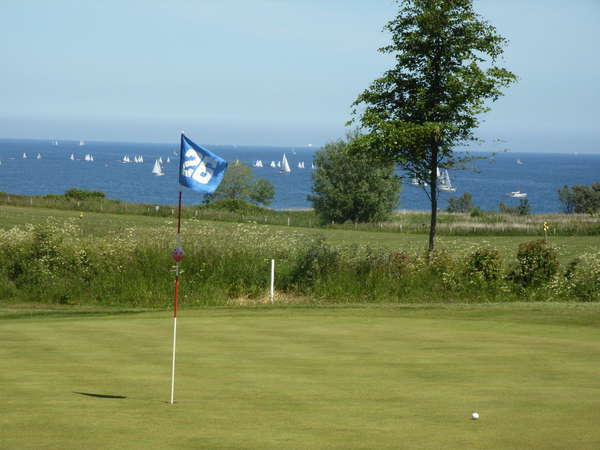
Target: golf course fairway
x=304, y=378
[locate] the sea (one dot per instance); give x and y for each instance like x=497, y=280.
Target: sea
x=39, y=167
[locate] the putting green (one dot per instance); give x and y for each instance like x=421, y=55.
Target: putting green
x=372, y=377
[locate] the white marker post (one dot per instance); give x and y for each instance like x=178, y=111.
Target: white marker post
x=272, y=292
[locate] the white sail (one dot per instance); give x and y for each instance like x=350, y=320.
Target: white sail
x=285, y=167
x=91, y=158
x=39, y=156
x=72, y=157
x=157, y=169
x=168, y=160
x=445, y=183
x=24, y=155
x=273, y=164
x=160, y=160
x=81, y=143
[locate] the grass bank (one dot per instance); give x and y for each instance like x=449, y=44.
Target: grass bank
x=293, y=377
x=484, y=223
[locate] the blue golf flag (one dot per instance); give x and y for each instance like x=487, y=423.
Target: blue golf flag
x=199, y=168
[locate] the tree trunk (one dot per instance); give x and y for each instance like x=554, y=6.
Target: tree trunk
x=433, y=187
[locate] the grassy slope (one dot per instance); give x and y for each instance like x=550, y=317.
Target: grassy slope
x=385, y=377
x=100, y=224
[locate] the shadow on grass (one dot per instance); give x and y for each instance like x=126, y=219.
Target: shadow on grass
x=88, y=394
x=30, y=314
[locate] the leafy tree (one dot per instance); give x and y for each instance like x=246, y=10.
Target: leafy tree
x=580, y=199
x=239, y=184
x=461, y=204
x=262, y=192
x=444, y=75
x=350, y=185
x=566, y=198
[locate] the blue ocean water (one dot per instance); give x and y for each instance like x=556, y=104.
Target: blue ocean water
x=539, y=175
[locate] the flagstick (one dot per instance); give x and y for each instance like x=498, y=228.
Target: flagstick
x=176, y=300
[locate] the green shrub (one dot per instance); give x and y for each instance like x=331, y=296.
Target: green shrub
x=81, y=194
x=583, y=277
x=460, y=204
x=522, y=209
x=314, y=263
x=484, y=263
x=537, y=263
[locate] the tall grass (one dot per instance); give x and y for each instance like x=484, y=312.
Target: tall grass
x=54, y=262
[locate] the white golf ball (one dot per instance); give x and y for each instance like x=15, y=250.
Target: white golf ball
x=475, y=416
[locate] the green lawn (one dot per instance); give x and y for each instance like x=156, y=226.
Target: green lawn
x=354, y=377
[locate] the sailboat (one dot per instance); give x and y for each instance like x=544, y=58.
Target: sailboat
x=519, y=162
x=285, y=167
x=72, y=157
x=273, y=164
x=168, y=160
x=445, y=184
x=516, y=194
x=39, y=156
x=126, y=159
x=157, y=169
x=81, y=143
x=24, y=155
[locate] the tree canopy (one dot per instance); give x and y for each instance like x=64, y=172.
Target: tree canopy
x=580, y=199
x=348, y=184
x=444, y=77
x=239, y=184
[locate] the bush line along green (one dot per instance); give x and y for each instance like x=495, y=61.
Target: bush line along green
x=53, y=262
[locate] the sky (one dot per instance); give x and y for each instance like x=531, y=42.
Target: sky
x=270, y=72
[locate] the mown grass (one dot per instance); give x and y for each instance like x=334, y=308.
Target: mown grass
x=485, y=223
x=353, y=377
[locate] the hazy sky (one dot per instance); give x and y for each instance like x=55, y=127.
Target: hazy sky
x=270, y=72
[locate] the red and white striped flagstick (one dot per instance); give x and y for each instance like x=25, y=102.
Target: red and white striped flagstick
x=177, y=255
